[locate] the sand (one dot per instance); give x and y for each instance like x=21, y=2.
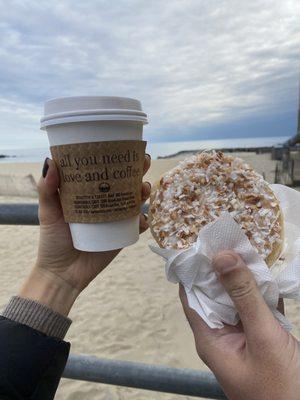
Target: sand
x=130, y=312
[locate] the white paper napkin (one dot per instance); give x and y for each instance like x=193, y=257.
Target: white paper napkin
x=192, y=267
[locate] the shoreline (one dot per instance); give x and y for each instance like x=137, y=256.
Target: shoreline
x=7, y=159
x=159, y=150
x=13, y=159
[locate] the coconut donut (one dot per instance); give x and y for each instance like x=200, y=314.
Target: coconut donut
x=203, y=186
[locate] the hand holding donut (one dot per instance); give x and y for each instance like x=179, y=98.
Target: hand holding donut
x=257, y=359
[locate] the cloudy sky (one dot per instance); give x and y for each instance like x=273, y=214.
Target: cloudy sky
x=202, y=68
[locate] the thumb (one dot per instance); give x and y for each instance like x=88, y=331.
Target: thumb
x=49, y=204
x=239, y=283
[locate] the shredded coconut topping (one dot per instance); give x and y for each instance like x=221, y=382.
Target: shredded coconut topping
x=203, y=186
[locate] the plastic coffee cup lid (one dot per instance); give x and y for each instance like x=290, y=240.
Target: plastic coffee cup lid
x=92, y=108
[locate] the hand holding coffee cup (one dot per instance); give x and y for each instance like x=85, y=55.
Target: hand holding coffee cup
x=61, y=272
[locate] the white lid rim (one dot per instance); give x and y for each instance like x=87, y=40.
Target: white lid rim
x=57, y=120
x=82, y=113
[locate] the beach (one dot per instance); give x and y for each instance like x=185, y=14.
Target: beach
x=130, y=312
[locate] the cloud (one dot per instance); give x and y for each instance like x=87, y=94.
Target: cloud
x=194, y=64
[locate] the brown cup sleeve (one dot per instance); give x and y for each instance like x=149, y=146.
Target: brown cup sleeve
x=100, y=181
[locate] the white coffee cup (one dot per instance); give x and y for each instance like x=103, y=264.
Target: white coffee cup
x=95, y=119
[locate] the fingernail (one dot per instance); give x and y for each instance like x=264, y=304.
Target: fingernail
x=45, y=167
x=146, y=217
x=148, y=155
x=144, y=223
x=225, y=263
x=149, y=184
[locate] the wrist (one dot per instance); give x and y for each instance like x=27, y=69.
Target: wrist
x=50, y=290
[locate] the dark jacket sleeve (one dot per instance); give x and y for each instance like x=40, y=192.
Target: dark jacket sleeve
x=31, y=363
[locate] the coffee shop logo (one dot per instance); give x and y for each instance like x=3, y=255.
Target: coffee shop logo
x=104, y=187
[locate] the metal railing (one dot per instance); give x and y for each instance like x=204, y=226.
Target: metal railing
x=19, y=214
x=144, y=376
x=115, y=372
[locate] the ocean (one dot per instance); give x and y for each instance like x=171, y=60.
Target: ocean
x=155, y=149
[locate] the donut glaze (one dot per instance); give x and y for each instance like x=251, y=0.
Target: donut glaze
x=200, y=188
